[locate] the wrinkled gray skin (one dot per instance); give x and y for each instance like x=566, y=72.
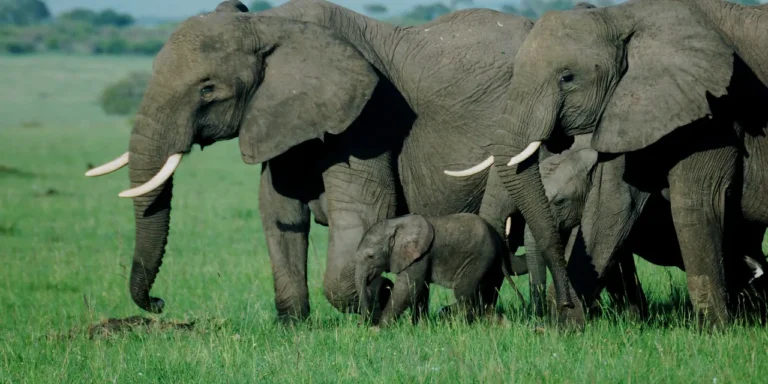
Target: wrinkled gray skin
x=369, y=114
x=460, y=252
x=677, y=86
x=567, y=179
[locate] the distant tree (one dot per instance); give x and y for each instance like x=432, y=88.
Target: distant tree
x=124, y=96
x=105, y=17
x=23, y=12
x=84, y=15
x=427, y=12
x=110, y=17
x=259, y=5
x=375, y=9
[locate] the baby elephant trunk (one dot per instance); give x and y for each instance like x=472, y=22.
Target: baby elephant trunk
x=361, y=278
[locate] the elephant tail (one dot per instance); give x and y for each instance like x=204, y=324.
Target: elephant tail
x=505, y=270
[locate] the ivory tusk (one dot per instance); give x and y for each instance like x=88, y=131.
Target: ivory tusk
x=161, y=177
x=508, y=226
x=526, y=153
x=110, y=167
x=471, y=171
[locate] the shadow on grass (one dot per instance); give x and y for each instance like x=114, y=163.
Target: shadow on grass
x=14, y=172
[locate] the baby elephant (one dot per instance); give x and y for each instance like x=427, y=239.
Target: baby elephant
x=460, y=252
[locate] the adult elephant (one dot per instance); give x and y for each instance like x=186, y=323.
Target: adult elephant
x=570, y=177
x=369, y=112
x=677, y=86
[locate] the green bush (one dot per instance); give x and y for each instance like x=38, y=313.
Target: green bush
x=16, y=46
x=123, y=97
x=111, y=46
x=146, y=47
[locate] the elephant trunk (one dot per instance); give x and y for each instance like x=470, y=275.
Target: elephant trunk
x=534, y=123
x=151, y=211
x=361, y=279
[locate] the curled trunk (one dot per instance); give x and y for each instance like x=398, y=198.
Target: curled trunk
x=152, y=215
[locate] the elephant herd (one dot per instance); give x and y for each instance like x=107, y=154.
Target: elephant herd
x=588, y=136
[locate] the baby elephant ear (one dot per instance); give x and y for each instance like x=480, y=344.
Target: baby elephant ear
x=231, y=6
x=413, y=238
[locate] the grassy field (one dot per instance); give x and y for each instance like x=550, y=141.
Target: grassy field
x=66, y=242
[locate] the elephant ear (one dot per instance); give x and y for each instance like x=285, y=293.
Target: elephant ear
x=413, y=238
x=231, y=6
x=314, y=83
x=675, y=61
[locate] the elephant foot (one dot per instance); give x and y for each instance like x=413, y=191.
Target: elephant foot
x=291, y=312
x=567, y=318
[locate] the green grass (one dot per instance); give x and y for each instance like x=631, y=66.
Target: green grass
x=66, y=240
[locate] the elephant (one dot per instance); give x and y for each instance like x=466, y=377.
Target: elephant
x=367, y=113
x=567, y=179
x=459, y=251
x=676, y=87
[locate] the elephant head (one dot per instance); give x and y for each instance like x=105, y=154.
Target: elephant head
x=271, y=82
x=631, y=74
x=566, y=179
x=390, y=246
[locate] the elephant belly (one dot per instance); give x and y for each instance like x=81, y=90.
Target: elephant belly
x=429, y=191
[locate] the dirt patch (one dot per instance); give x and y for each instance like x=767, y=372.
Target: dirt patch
x=114, y=326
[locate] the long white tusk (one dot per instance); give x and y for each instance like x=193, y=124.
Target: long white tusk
x=471, y=171
x=158, y=180
x=508, y=226
x=110, y=167
x=526, y=153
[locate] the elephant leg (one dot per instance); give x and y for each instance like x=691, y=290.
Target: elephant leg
x=421, y=305
x=286, y=226
x=537, y=270
x=701, y=187
x=408, y=291
x=624, y=288
x=359, y=193
x=611, y=210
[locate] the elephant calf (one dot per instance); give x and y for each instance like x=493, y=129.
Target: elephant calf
x=459, y=251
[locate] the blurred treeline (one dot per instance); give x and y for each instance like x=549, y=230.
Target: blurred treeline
x=27, y=26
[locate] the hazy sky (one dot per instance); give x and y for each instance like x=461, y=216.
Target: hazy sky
x=185, y=8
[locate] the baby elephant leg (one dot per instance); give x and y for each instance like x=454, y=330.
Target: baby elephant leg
x=408, y=292
x=479, y=292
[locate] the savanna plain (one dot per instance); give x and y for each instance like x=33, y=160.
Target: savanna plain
x=66, y=245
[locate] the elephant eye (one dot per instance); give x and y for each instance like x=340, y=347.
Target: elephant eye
x=206, y=92
x=566, y=78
